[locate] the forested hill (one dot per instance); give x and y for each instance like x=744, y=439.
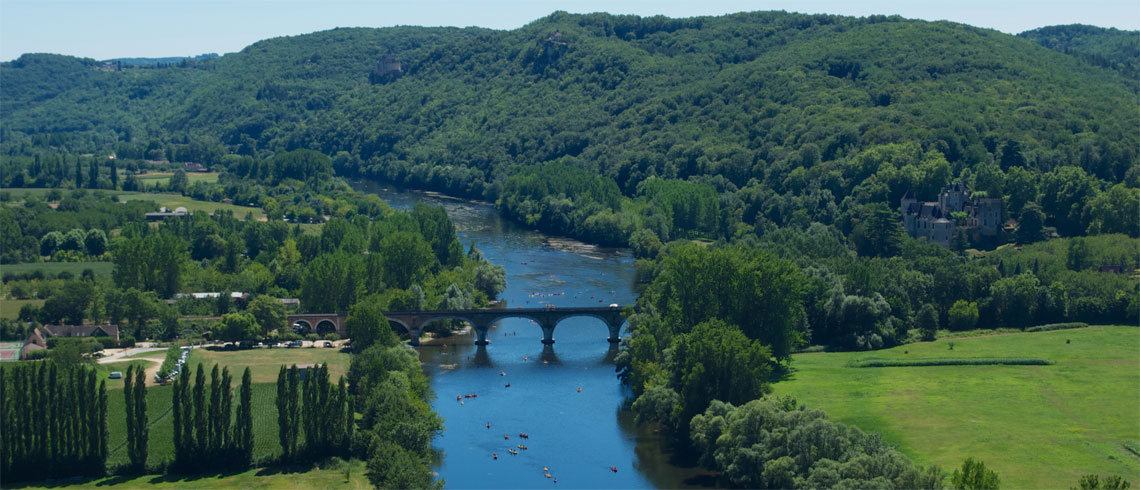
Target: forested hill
x=768, y=101
x=1110, y=48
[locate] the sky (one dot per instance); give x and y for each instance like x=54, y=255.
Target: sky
x=105, y=29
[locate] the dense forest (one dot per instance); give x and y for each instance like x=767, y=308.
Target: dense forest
x=753, y=162
x=776, y=112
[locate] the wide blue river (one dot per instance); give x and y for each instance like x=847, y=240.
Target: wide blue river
x=565, y=397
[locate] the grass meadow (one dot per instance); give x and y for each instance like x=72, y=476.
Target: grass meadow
x=170, y=201
x=263, y=364
x=152, y=178
x=51, y=269
x=10, y=308
x=1037, y=426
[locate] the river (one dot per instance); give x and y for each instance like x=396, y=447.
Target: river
x=565, y=397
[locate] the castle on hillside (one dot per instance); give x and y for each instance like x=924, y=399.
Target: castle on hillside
x=935, y=221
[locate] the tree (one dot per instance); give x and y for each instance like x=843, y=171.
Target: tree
x=51, y=242
x=963, y=315
x=407, y=258
x=95, y=241
x=391, y=466
x=1077, y=255
x=1116, y=210
x=880, y=234
x=927, y=321
x=134, y=394
x=268, y=312
x=716, y=361
x=974, y=476
x=1111, y=482
x=367, y=326
x=1015, y=299
x=1030, y=224
x=236, y=327
x=243, y=428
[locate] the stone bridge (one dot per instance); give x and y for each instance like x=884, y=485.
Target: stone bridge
x=481, y=320
x=320, y=323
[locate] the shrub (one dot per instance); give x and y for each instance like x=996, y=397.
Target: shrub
x=173, y=354
x=111, y=343
x=288, y=337
x=312, y=337
x=1056, y=326
x=332, y=336
x=951, y=361
x=36, y=355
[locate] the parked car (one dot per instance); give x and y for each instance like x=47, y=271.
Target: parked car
x=328, y=344
x=295, y=343
x=116, y=375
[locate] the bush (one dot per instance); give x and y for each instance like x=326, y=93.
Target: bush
x=173, y=355
x=952, y=361
x=312, y=337
x=95, y=344
x=36, y=355
x=332, y=337
x=289, y=337
x=111, y=343
x=1056, y=326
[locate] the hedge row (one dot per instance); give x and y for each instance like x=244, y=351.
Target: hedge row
x=952, y=361
x=106, y=342
x=1056, y=326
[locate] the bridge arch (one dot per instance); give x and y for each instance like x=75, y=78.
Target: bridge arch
x=326, y=327
x=302, y=326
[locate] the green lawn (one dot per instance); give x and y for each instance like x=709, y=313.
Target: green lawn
x=51, y=269
x=1037, y=426
x=269, y=478
x=264, y=363
x=10, y=308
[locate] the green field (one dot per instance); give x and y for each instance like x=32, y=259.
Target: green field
x=51, y=269
x=264, y=363
x=168, y=200
x=163, y=177
x=10, y=308
x=269, y=478
x=1037, y=426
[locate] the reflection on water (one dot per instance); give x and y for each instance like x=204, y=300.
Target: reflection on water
x=565, y=397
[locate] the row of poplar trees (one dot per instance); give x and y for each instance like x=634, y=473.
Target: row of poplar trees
x=206, y=436
x=307, y=403
x=134, y=394
x=53, y=422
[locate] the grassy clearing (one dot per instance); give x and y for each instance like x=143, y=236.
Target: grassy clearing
x=162, y=199
x=332, y=476
x=172, y=201
x=163, y=177
x=104, y=370
x=10, y=308
x=264, y=363
x=51, y=269
x=1037, y=426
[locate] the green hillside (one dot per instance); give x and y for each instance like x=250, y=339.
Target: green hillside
x=1037, y=426
x=775, y=111
x=1109, y=48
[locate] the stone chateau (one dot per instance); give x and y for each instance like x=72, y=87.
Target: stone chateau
x=935, y=221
